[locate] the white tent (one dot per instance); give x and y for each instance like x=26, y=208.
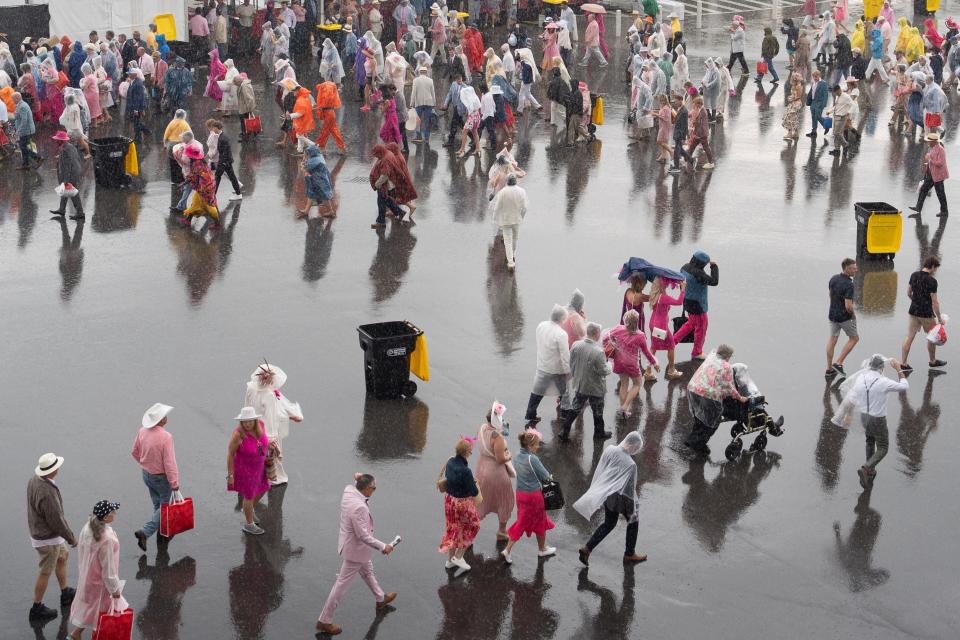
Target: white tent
x=76, y=18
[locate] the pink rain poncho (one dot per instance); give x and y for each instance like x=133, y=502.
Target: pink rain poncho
x=97, y=577
x=217, y=71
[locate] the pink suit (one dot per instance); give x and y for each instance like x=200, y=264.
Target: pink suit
x=355, y=545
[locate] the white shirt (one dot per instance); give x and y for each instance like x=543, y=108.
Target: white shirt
x=873, y=388
x=487, y=105
x=289, y=17
x=146, y=64
x=842, y=105
x=553, y=351
x=245, y=14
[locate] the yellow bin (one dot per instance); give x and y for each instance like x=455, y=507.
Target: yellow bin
x=933, y=5
x=879, y=229
x=166, y=25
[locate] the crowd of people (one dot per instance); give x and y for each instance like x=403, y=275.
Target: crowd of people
x=74, y=88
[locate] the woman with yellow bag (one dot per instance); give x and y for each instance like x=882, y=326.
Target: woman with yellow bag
x=203, y=202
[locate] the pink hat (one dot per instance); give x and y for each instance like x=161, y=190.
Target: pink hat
x=194, y=153
x=61, y=136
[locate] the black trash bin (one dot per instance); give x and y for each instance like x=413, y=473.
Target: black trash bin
x=879, y=230
x=108, y=158
x=386, y=357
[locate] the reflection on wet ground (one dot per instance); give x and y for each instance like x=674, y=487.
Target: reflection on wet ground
x=106, y=318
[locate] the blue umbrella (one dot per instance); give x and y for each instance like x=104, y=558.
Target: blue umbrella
x=650, y=271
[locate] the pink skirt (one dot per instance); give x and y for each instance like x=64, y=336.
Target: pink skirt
x=532, y=517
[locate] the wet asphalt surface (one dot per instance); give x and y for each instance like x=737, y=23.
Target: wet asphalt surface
x=103, y=319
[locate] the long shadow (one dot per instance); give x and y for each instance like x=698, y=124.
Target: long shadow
x=828, y=454
x=391, y=261
x=503, y=300
x=393, y=428
x=159, y=619
x=855, y=555
x=711, y=507
x=610, y=620
x=916, y=426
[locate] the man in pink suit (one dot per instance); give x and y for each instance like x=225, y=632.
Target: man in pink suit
x=356, y=545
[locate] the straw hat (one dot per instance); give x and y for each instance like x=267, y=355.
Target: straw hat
x=248, y=413
x=47, y=464
x=933, y=137
x=157, y=412
x=348, y=28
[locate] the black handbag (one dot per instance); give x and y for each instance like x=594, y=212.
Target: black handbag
x=552, y=493
x=678, y=322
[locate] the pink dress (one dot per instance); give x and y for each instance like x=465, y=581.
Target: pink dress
x=97, y=577
x=217, y=71
x=626, y=357
x=494, y=481
x=551, y=49
x=603, y=43
x=660, y=319
x=666, y=126
x=390, y=131
x=248, y=477
x=91, y=92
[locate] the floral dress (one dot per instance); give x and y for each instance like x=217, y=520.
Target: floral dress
x=390, y=131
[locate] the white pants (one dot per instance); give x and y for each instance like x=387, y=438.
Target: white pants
x=595, y=53
x=876, y=65
x=526, y=96
x=557, y=114
x=511, y=234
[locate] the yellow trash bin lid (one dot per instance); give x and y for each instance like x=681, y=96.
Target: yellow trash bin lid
x=884, y=232
x=166, y=25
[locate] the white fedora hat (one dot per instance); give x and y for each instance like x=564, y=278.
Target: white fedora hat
x=279, y=377
x=248, y=413
x=47, y=464
x=155, y=414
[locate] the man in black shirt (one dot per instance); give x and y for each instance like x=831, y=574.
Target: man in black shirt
x=924, y=311
x=841, y=316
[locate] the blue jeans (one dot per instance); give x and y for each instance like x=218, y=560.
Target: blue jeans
x=160, y=491
x=771, y=70
x=816, y=116
x=425, y=114
x=187, y=190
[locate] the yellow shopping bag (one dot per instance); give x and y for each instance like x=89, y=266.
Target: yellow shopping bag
x=597, y=116
x=420, y=359
x=130, y=164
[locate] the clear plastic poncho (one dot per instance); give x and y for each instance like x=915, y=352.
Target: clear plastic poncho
x=616, y=474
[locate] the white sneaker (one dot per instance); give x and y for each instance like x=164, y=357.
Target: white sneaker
x=241, y=186
x=709, y=165
x=506, y=557
x=448, y=565
x=546, y=553
x=236, y=196
x=460, y=562
x=252, y=529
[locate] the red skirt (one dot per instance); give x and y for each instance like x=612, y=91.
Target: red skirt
x=531, y=516
x=463, y=523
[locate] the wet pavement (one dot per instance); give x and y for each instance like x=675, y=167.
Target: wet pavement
x=103, y=319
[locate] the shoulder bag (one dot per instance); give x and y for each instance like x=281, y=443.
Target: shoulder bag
x=552, y=493
x=442, y=478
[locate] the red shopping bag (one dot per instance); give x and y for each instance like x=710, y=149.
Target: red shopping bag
x=762, y=68
x=114, y=625
x=177, y=516
x=932, y=120
x=252, y=125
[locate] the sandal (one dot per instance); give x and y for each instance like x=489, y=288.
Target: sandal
x=673, y=375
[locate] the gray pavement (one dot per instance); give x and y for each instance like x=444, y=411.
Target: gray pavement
x=103, y=319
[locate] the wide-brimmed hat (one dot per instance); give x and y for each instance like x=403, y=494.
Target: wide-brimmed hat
x=248, y=413
x=852, y=79
x=47, y=464
x=673, y=14
x=158, y=411
x=496, y=90
x=103, y=508
x=933, y=137
x=61, y=136
x=347, y=27
x=279, y=377
x=193, y=152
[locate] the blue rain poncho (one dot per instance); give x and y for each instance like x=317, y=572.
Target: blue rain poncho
x=319, y=185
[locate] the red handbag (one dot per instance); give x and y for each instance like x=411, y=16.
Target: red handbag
x=114, y=625
x=762, y=68
x=252, y=125
x=177, y=516
x=932, y=120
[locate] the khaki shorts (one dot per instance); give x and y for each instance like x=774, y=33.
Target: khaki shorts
x=49, y=556
x=915, y=324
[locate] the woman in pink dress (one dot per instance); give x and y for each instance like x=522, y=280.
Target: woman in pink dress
x=664, y=134
x=494, y=475
x=390, y=131
x=91, y=92
x=627, y=342
x=246, y=461
x=604, y=49
x=53, y=94
x=660, y=303
x=98, y=573
x=551, y=49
